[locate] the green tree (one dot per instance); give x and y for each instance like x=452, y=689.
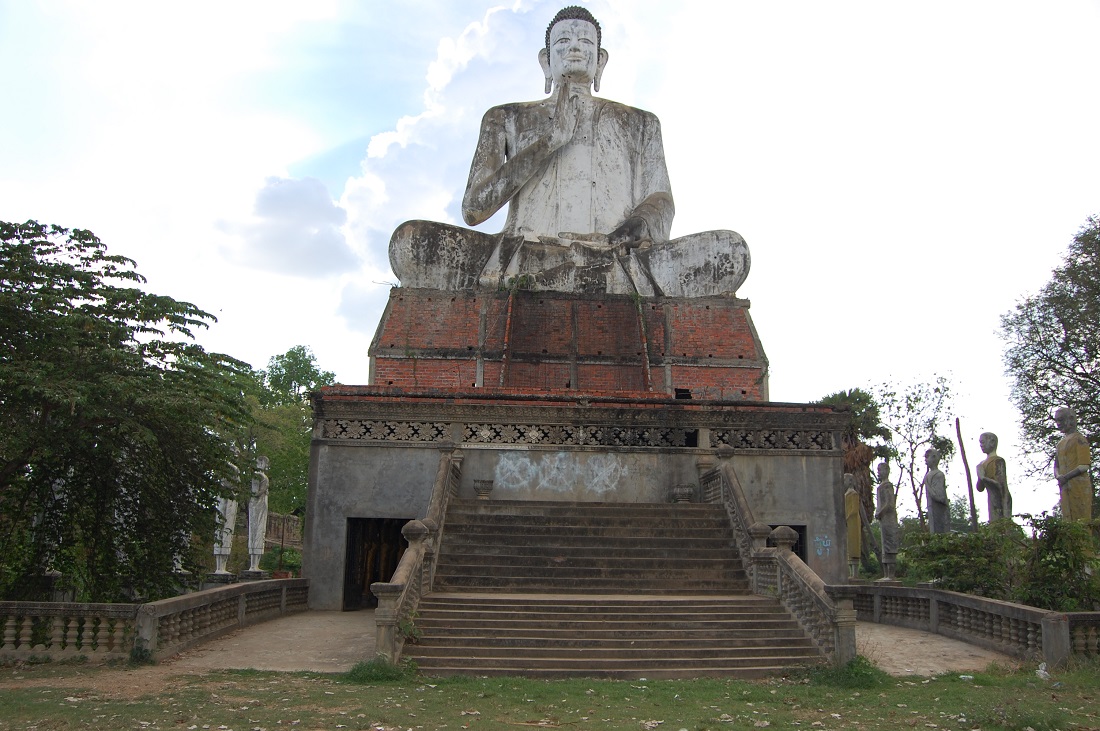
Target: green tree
x=282, y=423
x=292, y=376
x=960, y=515
x=113, y=424
x=1052, y=348
x=916, y=416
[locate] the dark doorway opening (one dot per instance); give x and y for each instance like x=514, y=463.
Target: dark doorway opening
x=374, y=547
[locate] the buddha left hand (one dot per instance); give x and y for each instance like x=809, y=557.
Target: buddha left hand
x=631, y=234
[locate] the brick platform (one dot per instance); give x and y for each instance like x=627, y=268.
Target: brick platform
x=702, y=348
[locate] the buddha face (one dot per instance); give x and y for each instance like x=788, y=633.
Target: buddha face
x=574, y=54
x=1066, y=420
x=987, y=442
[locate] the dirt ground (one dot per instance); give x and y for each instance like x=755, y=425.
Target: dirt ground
x=332, y=642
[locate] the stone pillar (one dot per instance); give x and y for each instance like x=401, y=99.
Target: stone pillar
x=1057, y=646
x=148, y=627
x=385, y=619
x=844, y=623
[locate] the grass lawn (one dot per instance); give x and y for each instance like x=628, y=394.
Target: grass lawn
x=53, y=696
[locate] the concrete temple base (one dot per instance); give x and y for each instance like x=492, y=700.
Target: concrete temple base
x=377, y=451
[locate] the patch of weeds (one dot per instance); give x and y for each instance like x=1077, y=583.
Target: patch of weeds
x=408, y=629
x=380, y=670
x=74, y=660
x=140, y=655
x=248, y=673
x=1011, y=716
x=859, y=673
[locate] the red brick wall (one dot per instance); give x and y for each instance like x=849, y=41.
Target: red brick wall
x=433, y=339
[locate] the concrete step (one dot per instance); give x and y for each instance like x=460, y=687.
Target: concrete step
x=768, y=642
x=697, y=650
x=580, y=528
x=597, y=585
x=488, y=546
x=592, y=566
x=602, y=603
x=656, y=521
x=625, y=667
x=657, y=545
x=505, y=507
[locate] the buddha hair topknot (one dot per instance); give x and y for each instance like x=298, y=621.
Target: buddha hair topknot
x=575, y=12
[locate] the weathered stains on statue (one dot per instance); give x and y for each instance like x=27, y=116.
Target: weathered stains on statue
x=562, y=473
x=700, y=265
x=439, y=256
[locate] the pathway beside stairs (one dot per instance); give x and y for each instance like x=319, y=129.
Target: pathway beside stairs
x=554, y=589
x=331, y=642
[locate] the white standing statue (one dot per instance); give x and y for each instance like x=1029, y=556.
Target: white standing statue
x=257, y=514
x=589, y=201
x=223, y=536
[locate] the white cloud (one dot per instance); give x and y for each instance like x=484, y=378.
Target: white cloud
x=296, y=229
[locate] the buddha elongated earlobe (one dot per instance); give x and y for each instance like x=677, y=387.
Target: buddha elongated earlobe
x=544, y=61
x=601, y=62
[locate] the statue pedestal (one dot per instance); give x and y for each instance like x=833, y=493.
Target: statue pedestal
x=214, y=580
x=255, y=575
x=699, y=348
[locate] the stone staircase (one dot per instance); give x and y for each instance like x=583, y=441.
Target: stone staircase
x=555, y=589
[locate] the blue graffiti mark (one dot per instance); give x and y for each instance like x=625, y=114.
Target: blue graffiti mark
x=823, y=545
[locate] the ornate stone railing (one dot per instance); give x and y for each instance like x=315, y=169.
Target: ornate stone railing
x=1013, y=629
x=399, y=597
x=829, y=617
x=1084, y=633
x=172, y=625
x=58, y=630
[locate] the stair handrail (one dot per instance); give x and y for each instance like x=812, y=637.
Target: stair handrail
x=399, y=597
x=828, y=617
x=447, y=479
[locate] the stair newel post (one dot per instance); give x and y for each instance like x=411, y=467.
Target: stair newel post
x=431, y=548
x=759, y=533
x=784, y=537
x=844, y=622
x=703, y=465
x=416, y=533
x=456, y=471
x=385, y=619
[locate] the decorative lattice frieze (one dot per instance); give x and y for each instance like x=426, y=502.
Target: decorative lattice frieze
x=577, y=435
x=773, y=439
x=384, y=431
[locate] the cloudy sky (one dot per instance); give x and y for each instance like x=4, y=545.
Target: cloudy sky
x=902, y=171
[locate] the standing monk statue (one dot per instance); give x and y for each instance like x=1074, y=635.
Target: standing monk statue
x=257, y=514
x=1071, y=468
x=589, y=202
x=887, y=517
x=935, y=494
x=853, y=519
x=993, y=478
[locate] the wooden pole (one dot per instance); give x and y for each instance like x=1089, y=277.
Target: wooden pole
x=969, y=479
